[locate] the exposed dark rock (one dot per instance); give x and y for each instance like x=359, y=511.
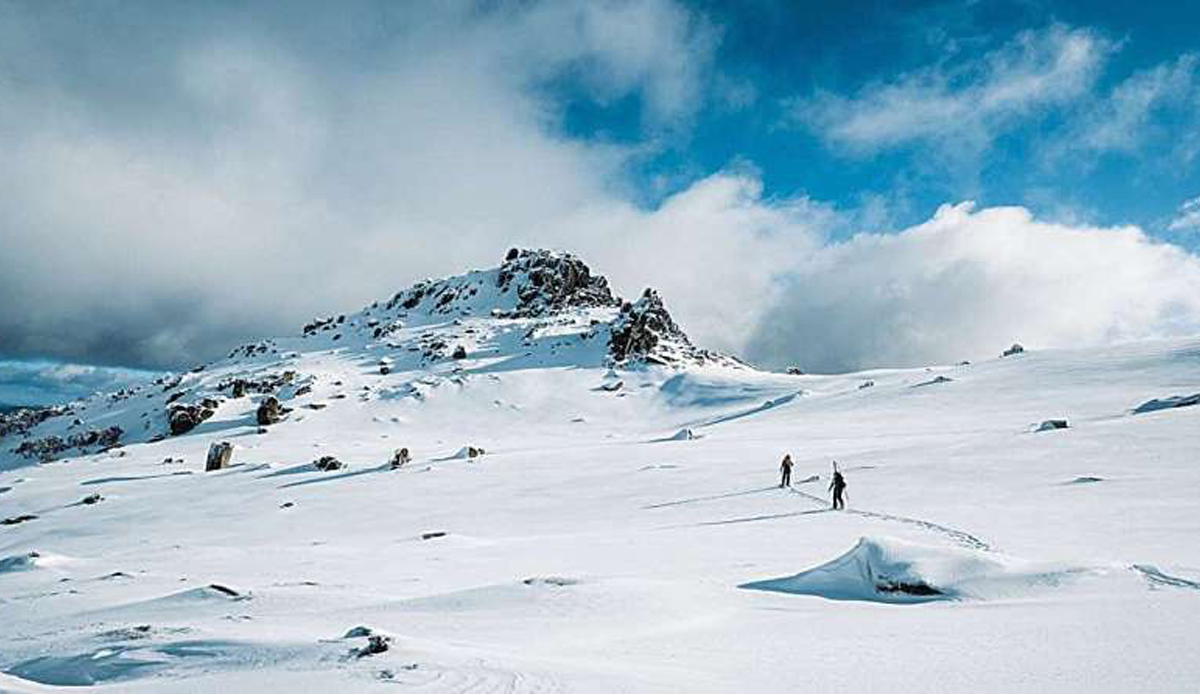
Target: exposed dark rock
x=92, y=498
x=46, y=448
x=430, y=535
x=645, y=332
x=225, y=590
x=795, y=371
x=184, y=418
x=376, y=644
x=269, y=411
x=1016, y=349
x=399, y=458
x=460, y=353
x=910, y=588
x=21, y=420
x=1167, y=403
x=546, y=283
x=1052, y=425
x=19, y=519
x=328, y=463
x=219, y=455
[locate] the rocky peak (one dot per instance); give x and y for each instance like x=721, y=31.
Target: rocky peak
x=547, y=282
x=645, y=332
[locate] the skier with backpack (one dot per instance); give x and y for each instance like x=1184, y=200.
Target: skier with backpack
x=838, y=487
x=786, y=469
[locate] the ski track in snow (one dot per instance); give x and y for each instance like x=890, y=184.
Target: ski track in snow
x=960, y=537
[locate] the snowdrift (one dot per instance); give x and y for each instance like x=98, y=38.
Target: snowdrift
x=890, y=570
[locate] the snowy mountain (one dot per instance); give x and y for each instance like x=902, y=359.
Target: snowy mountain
x=592, y=504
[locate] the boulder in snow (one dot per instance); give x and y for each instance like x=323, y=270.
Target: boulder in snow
x=376, y=644
x=1016, y=349
x=328, y=463
x=184, y=418
x=269, y=412
x=218, y=456
x=1048, y=425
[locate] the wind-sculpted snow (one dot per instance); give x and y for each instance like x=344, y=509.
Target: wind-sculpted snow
x=890, y=570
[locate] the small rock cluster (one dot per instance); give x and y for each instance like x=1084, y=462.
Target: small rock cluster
x=24, y=419
x=239, y=387
x=46, y=448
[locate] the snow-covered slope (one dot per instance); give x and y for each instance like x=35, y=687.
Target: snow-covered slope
x=622, y=529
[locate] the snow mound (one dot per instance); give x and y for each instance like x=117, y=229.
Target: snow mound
x=20, y=563
x=889, y=570
x=684, y=435
x=31, y=561
x=92, y=668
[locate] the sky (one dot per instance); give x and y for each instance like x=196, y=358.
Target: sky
x=836, y=186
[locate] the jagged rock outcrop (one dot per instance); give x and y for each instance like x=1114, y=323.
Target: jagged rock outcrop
x=546, y=283
x=645, y=332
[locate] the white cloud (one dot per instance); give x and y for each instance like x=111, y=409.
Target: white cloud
x=966, y=284
x=965, y=101
x=1188, y=217
x=1156, y=103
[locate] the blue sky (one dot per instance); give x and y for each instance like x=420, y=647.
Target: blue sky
x=779, y=54
x=837, y=185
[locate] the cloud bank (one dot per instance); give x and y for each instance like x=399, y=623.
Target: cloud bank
x=232, y=175
x=966, y=284
x=39, y=382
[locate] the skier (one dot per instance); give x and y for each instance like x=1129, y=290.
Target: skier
x=786, y=469
x=838, y=486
